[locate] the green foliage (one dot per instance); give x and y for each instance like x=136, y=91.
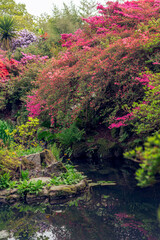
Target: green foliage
x=45, y=134
x=11, y=8
x=56, y=152
x=25, y=134
x=149, y=158
x=7, y=31
x=66, y=20
x=68, y=178
x=13, y=184
x=9, y=161
x=4, y=180
x=24, y=175
x=42, y=48
x=21, y=151
x=87, y=8
x=18, y=12
x=68, y=136
x=32, y=187
x=6, y=127
x=147, y=112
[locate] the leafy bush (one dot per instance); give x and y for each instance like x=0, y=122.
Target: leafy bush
x=147, y=112
x=68, y=178
x=24, y=39
x=21, y=151
x=45, y=134
x=5, y=128
x=25, y=134
x=100, y=67
x=30, y=187
x=56, y=152
x=149, y=159
x=68, y=136
x=4, y=180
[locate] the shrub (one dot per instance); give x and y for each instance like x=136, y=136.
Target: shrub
x=25, y=134
x=56, y=152
x=4, y=180
x=149, y=159
x=24, y=39
x=24, y=175
x=147, y=113
x=100, y=67
x=68, y=178
x=5, y=128
x=22, y=151
x=68, y=136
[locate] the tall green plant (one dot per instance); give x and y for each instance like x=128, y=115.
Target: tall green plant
x=5, y=128
x=7, y=31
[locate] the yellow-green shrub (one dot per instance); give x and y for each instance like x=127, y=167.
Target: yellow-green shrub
x=26, y=134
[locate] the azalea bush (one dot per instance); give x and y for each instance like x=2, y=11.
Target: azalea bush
x=99, y=73
x=18, y=80
x=146, y=113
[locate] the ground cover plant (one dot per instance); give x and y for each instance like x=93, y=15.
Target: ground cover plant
x=68, y=178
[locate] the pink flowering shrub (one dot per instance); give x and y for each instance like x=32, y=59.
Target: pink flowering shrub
x=103, y=68
x=18, y=78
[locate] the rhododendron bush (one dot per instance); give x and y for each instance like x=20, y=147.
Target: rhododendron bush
x=24, y=39
x=17, y=78
x=101, y=70
x=7, y=67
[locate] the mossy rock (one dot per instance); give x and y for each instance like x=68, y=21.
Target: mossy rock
x=54, y=169
x=51, y=195
x=9, y=164
x=47, y=157
x=27, y=164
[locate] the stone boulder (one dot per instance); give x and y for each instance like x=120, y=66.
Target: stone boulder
x=46, y=158
x=54, y=169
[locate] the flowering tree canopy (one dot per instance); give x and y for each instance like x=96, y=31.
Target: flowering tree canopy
x=103, y=67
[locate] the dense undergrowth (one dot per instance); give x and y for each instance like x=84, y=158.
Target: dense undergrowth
x=106, y=77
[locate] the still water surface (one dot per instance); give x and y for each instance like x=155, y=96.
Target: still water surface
x=106, y=213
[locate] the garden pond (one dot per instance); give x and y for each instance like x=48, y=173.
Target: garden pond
x=120, y=212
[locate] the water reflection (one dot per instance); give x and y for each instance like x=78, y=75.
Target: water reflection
x=106, y=213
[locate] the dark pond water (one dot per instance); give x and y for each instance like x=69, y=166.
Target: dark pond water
x=106, y=213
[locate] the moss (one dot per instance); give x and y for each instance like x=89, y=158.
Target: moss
x=47, y=157
x=27, y=164
x=8, y=163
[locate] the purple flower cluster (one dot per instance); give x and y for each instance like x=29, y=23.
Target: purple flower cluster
x=28, y=58
x=24, y=39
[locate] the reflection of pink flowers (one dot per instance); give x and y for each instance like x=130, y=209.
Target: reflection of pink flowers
x=132, y=224
x=120, y=216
